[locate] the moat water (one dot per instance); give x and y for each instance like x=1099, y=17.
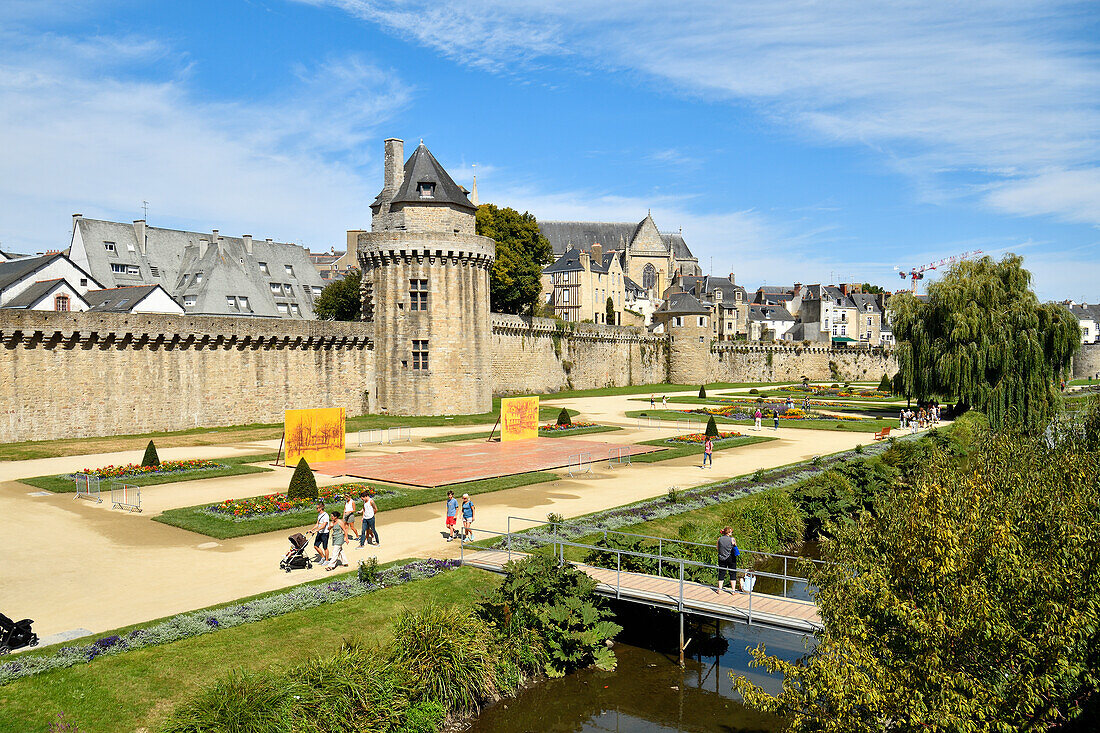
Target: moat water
x=649, y=692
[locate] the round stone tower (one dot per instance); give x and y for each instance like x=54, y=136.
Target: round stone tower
x=425, y=287
x=688, y=326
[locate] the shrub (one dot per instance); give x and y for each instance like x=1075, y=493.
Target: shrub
x=858, y=448
x=558, y=604
x=426, y=716
x=884, y=384
x=825, y=498
x=240, y=702
x=302, y=484
x=563, y=417
x=673, y=495
x=769, y=521
x=712, y=428
x=150, y=458
x=447, y=651
x=353, y=684
x=702, y=391
x=368, y=570
x=754, y=390
x=555, y=518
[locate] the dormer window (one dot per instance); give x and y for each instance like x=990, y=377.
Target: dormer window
x=426, y=190
x=717, y=294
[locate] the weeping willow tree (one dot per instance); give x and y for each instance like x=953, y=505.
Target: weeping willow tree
x=985, y=341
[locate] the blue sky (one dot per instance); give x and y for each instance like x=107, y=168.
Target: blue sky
x=789, y=140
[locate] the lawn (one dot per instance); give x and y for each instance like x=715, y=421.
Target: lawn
x=650, y=388
x=679, y=451
x=542, y=434
x=136, y=690
x=864, y=407
x=232, y=434
x=196, y=519
x=237, y=466
x=854, y=426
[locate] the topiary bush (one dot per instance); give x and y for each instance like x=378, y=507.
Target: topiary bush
x=150, y=458
x=884, y=384
x=702, y=391
x=564, y=419
x=712, y=428
x=302, y=484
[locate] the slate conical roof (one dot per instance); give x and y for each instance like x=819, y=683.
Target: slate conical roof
x=422, y=167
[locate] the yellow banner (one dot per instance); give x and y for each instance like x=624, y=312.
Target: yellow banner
x=519, y=418
x=316, y=435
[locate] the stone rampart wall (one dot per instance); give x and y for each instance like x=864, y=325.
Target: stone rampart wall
x=1087, y=362
x=747, y=363
x=538, y=355
x=68, y=375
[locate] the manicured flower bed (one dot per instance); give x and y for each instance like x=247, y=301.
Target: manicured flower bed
x=187, y=625
x=734, y=412
x=134, y=469
x=555, y=428
x=272, y=504
x=873, y=394
x=700, y=438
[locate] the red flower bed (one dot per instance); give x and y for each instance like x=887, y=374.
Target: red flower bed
x=257, y=506
x=134, y=469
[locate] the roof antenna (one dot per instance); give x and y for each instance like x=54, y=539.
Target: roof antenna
x=145, y=208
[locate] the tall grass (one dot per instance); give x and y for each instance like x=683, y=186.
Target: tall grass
x=239, y=703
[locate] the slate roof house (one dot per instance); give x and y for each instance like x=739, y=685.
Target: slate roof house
x=579, y=283
x=728, y=303
x=47, y=282
x=1088, y=318
x=769, y=322
x=134, y=299
x=208, y=274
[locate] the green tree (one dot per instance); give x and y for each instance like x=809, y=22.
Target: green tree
x=610, y=308
x=885, y=385
x=522, y=252
x=983, y=339
x=303, y=485
x=702, y=391
x=712, y=428
x=340, y=300
x=150, y=458
x=563, y=418
x=873, y=289
x=970, y=600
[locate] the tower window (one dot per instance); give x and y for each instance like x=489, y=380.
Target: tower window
x=426, y=190
x=418, y=294
x=420, y=354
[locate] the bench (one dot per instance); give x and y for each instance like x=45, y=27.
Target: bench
x=882, y=434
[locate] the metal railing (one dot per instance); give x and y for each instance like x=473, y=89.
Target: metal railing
x=678, y=565
x=384, y=436
x=620, y=455
x=125, y=496
x=685, y=424
x=579, y=463
x=87, y=487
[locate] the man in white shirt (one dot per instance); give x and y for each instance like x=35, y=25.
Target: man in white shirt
x=370, y=510
x=320, y=542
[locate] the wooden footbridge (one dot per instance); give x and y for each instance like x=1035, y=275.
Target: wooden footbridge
x=777, y=608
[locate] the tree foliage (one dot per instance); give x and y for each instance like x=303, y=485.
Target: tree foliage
x=563, y=418
x=522, y=252
x=984, y=339
x=340, y=300
x=873, y=289
x=702, y=391
x=609, y=307
x=150, y=458
x=969, y=601
x=303, y=484
x=712, y=428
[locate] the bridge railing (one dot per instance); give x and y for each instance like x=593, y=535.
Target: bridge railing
x=669, y=550
x=517, y=544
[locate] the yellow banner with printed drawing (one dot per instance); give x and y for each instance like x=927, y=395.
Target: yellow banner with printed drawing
x=519, y=418
x=316, y=435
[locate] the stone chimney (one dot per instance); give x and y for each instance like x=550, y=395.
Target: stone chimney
x=797, y=288
x=268, y=240
x=733, y=279
x=215, y=238
x=76, y=220
x=597, y=253
x=247, y=243
x=586, y=259
x=139, y=232
x=395, y=164
x=473, y=193
x=203, y=244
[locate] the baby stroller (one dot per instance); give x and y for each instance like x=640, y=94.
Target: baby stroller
x=295, y=558
x=16, y=634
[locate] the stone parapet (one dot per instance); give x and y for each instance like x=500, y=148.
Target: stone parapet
x=379, y=249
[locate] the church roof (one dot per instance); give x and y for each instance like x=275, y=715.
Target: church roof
x=611, y=235
x=422, y=167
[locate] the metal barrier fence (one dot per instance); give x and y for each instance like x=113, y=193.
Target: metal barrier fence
x=126, y=496
x=385, y=436
x=685, y=424
x=87, y=487
x=678, y=564
x=579, y=463
x=665, y=545
x=620, y=455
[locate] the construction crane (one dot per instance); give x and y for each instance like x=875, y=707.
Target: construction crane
x=917, y=273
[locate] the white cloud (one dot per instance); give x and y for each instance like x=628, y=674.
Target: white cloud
x=1073, y=195
x=991, y=88
x=79, y=138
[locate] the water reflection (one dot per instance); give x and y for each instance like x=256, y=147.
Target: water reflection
x=649, y=691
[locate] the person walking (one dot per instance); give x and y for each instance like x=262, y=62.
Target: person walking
x=369, y=530
x=664, y=400
x=452, y=515
x=467, y=518
x=727, y=566
x=901, y=419
x=758, y=415
x=320, y=532
x=708, y=452
x=775, y=420
x=339, y=532
x=652, y=402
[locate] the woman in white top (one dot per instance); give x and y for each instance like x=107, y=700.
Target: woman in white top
x=370, y=509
